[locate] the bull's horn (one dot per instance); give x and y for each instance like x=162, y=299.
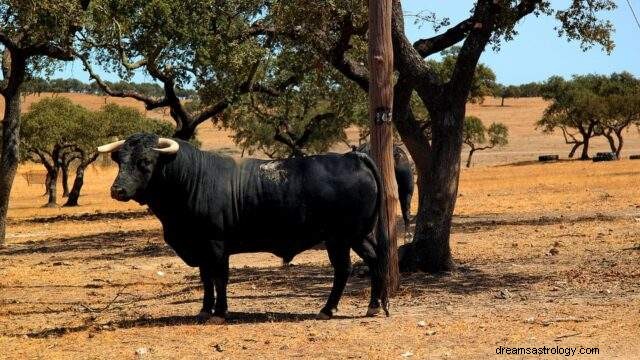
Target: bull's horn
x=110, y=147
x=167, y=146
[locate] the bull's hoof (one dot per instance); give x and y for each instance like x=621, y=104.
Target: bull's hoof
x=216, y=320
x=326, y=314
x=322, y=316
x=203, y=317
x=373, y=311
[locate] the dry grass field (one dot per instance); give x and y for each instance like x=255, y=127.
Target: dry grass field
x=548, y=256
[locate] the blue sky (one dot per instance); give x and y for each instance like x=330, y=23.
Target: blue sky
x=534, y=55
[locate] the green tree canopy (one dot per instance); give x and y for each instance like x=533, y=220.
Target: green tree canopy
x=307, y=118
x=56, y=132
x=591, y=105
x=478, y=137
x=210, y=45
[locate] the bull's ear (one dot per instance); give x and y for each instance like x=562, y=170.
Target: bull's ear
x=114, y=146
x=167, y=146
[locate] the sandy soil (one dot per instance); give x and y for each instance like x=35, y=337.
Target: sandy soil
x=548, y=256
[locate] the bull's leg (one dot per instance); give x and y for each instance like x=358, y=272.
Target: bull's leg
x=206, y=276
x=339, y=257
x=221, y=279
x=366, y=250
x=405, y=205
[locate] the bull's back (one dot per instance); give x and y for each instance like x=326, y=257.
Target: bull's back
x=293, y=204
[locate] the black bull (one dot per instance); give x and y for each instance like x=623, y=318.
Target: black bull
x=212, y=206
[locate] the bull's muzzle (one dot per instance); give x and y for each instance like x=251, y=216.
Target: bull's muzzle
x=118, y=193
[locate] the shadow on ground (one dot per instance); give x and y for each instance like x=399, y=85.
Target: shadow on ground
x=300, y=284
x=136, y=243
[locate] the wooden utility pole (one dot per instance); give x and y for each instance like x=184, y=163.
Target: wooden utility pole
x=380, y=110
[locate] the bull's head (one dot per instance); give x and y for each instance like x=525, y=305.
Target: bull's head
x=136, y=158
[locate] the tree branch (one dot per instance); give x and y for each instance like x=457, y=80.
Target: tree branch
x=407, y=60
x=7, y=41
x=295, y=150
x=437, y=43
x=49, y=50
x=150, y=102
x=311, y=127
x=338, y=58
x=485, y=18
x=244, y=88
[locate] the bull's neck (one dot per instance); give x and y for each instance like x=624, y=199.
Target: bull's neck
x=175, y=184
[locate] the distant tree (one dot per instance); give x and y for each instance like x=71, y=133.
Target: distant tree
x=478, y=137
x=110, y=123
x=47, y=131
x=620, y=94
x=588, y=106
x=504, y=91
x=574, y=110
x=58, y=134
x=532, y=89
x=35, y=85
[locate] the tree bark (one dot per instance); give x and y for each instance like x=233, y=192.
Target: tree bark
x=380, y=114
x=9, y=157
x=574, y=149
x=620, y=142
x=610, y=140
x=470, y=156
x=585, y=148
x=438, y=189
x=64, y=168
x=53, y=184
x=47, y=179
x=78, y=182
x=77, y=187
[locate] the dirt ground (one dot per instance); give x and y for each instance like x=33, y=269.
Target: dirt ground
x=548, y=255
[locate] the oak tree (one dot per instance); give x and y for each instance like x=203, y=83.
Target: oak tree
x=336, y=34
x=478, y=137
x=31, y=33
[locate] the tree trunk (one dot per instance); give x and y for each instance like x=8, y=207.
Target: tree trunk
x=573, y=149
x=380, y=114
x=501, y=104
x=438, y=189
x=585, y=148
x=612, y=143
x=47, y=180
x=53, y=184
x=470, y=156
x=74, y=195
x=65, y=179
x=77, y=187
x=620, y=143
x=9, y=157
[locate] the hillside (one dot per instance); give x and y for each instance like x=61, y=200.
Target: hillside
x=520, y=115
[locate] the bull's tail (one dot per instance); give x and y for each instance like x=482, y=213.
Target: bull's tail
x=382, y=253
x=381, y=271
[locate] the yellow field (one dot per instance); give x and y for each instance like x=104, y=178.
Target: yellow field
x=548, y=256
x=520, y=115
